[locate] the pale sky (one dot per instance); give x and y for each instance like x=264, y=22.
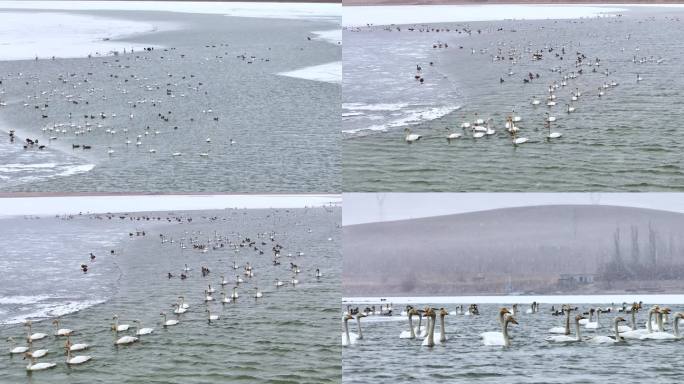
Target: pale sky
x=376, y=207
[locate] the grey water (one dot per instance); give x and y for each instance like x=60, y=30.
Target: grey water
x=382, y=356
x=288, y=335
x=627, y=140
x=210, y=77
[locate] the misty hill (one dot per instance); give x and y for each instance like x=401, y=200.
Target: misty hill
x=541, y=249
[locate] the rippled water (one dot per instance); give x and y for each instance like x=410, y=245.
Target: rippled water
x=628, y=140
x=269, y=136
x=286, y=336
x=382, y=356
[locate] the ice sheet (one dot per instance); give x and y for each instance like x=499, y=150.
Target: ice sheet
x=329, y=73
x=240, y=9
x=544, y=299
x=59, y=205
x=412, y=14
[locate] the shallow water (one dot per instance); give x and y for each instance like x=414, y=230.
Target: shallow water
x=286, y=336
x=382, y=356
x=269, y=135
x=627, y=140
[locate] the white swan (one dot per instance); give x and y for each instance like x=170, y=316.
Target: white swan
x=258, y=293
x=565, y=330
x=411, y=333
x=183, y=304
x=660, y=334
x=33, y=336
x=348, y=338
x=119, y=327
x=168, y=323
x=609, y=340
x=61, y=331
x=411, y=137
x=142, y=331
x=519, y=140
x=570, y=108
x=358, y=324
x=76, y=359
x=123, y=340
x=429, y=341
x=234, y=295
x=566, y=338
x=500, y=338
x=211, y=317
x=33, y=366
x=77, y=346
x=15, y=350
x=535, y=101
x=208, y=296
x=594, y=324
x=552, y=135
x=210, y=289
x=637, y=333
x=452, y=136
x=223, y=280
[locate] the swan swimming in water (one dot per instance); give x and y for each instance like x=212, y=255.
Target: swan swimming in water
x=119, y=327
x=33, y=336
x=61, y=331
x=411, y=333
x=348, y=338
x=607, y=339
x=411, y=137
x=76, y=359
x=502, y=339
x=124, y=340
x=566, y=338
x=358, y=324
x=77, y=346
x=503, y=312
x=16, y=350
x=211, y=317
x=167, y=323
x=660, y=334
x=33, y=366
x=142, y=331
x=637, y=333
x=565, y=330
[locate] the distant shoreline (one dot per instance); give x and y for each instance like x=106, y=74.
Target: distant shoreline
x=500, y=2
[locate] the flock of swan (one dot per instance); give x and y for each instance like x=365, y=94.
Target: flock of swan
x=127, y=334
x=654, y=327
x=560, y=90
x=72, y=101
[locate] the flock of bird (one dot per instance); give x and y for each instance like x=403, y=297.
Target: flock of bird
x=561, y=92
x=127, y=334
x=654, y=327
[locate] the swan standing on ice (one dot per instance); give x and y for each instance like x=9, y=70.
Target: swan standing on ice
x=33, y=366
x=502, y=338
x=411, y=137
x=142, y=331
x=565, y=338
x=348, y=338
x=607, y=339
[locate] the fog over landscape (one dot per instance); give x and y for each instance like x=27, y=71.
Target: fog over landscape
x=538, y=249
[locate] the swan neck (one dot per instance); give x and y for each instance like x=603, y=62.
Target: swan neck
x=634, y=326
x=675, y=326
x=442, y=336
x=577, y=330
x=346, y=332
x=358, y=325
x=504, y=331
x=413, y=333
x=567, y=322
x=648, y=323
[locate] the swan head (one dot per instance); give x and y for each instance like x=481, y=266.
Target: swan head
x=347, y=317
x=511, y=319
x=360, y=315
x=443, y=312
x=504, y=311
x=679, y=315
x=665, y=311
x=579, y=317
x=619, y=319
